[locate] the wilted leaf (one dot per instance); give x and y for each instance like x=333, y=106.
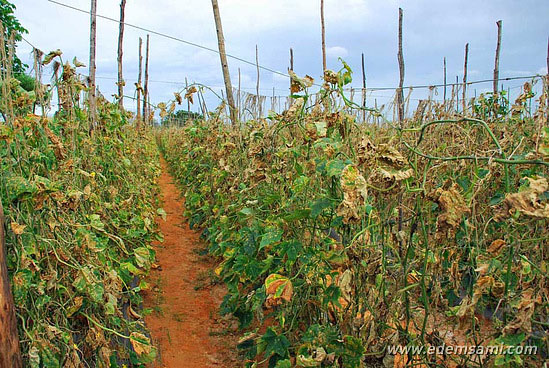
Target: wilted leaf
x=496, y=246
x=49, y=57
x=355, y=194
x=528, y=201
x=189, y=94
x=77, y=63
x=453, y=208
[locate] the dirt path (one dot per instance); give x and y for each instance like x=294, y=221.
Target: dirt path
x=184, y=323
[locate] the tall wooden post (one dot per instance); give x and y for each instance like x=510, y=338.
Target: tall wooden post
x=239, y=97
x=363, y=89
x=457, y=93
x=139, y=79
x=146, y=89
x=257, y=86
x=10, y=355
x=464, y=95
x=444, y=79
x=91, y=97
x=188, y=102
x=496, y=66
x=400, y=93
x=547, y=80
x=292, y=69
x=120, y=54
x=224, y=63
x=323, y=27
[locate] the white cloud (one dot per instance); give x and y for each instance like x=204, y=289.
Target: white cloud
x=432, y=30
x=336, y=51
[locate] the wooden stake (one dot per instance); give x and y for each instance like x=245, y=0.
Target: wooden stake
x=188, y=102
x=92, y=67
x=10, y=355
x=292, y=69
x=444, y=79
x=457, y=93
x=496, y=66
x=146, y=89
x=257, y=86
x=323, y=36
x=238, y=97
x=464, y=96
x=120, y=54
x=139, y=78
x=363, y=89
x=224, y=63
x=400, y=94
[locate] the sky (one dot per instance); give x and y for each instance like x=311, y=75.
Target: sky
x=433, y=29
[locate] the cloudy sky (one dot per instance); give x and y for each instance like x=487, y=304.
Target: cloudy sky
x=433, y=29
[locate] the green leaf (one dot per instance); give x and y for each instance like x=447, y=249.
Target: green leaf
x=283, y=364
x=300, y=183
x=270, y=237
x=130, y=267
x=246, y=211
x=511, y=340
x=320, y=205
x=95, y=222
x=335, y=167
x=162, y=213
x=34, y=358
x=297, y=215
x=275, y=344
x=143, y=257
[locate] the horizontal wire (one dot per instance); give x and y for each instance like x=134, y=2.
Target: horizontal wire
x=172, y=38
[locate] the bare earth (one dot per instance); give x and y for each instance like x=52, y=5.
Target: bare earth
x=185, y=324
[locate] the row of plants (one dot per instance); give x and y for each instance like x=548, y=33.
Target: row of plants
x=80, y=202
x=337, y=240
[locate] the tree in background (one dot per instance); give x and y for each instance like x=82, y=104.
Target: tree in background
x=11, y=25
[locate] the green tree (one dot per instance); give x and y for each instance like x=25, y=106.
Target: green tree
x=11, y=24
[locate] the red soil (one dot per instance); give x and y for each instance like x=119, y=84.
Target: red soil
x=185, y=320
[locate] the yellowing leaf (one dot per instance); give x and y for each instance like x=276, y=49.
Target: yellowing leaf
x=278, y=288
x=17, y=229
x=141, y=343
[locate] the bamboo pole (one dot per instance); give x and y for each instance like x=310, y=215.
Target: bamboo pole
x=400, y=94
x=93, y=36
x=323, y=27
x=464, y=96
x=120, y=55
x=496, y=66
x=10, y=355
x=146, y=89
x=224, y=63
x=139, y=78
